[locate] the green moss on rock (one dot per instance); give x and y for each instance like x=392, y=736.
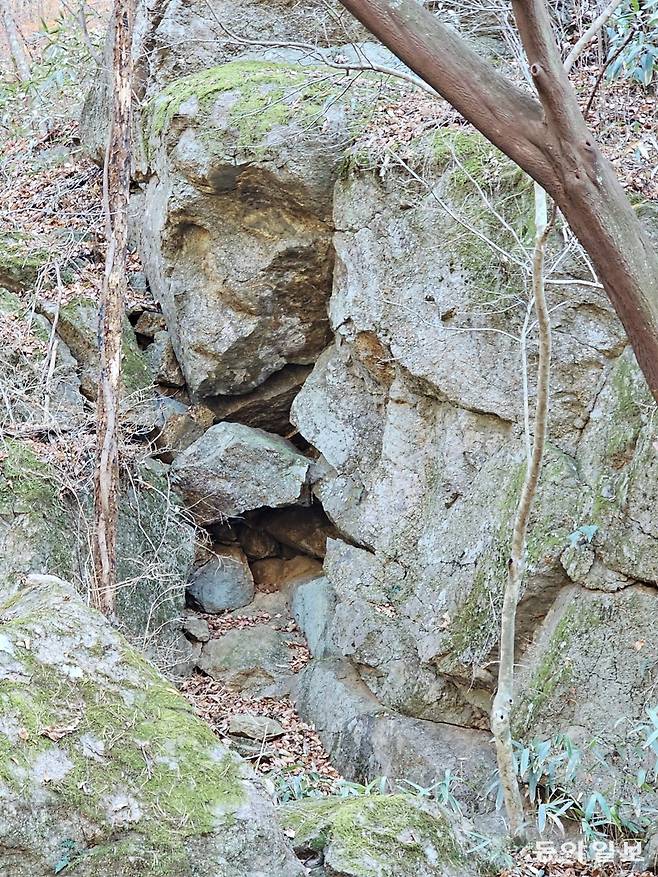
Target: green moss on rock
x=94, y=739
x=20, y=261
x=30, y=497
x=265, y=96
x=376, y=836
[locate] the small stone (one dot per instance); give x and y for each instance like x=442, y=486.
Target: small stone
x=255, y=727
x=196, y=628
x=150, y=323
x=224, y=582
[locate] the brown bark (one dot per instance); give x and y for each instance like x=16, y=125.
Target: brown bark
x=547, y=138
x=117, y=190
x=15, y=42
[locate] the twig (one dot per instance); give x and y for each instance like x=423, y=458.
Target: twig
x=599, y=78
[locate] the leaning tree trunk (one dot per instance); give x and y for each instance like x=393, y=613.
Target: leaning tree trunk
x=117, y=190
x=547, y=138
x=15, y=42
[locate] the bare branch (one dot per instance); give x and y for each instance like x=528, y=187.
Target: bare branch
x=316, y=53
x=594, y=28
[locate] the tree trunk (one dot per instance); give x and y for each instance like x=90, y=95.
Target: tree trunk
x=15, y=42
x=547, y=138
x=117, y=190
x=501, y=713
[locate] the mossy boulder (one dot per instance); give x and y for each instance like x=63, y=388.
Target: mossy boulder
x=237, y=243
x=378, y=836
x=44, y=530
x=77, y=326
x=104, y=769
x=20, y=261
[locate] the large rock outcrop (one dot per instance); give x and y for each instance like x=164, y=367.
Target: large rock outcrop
x=413, y=410
x=103, y=767
x=417, y=411
x=239, y=249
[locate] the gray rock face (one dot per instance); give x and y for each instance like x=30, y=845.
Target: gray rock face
x=77, y=326
x=162, y=362
x=416, y=411
x=366, y=740
x=312, y=605
x=119, y=729
x=233, y=468
x=246, y=241
x=223, y=582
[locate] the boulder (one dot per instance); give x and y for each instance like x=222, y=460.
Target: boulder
x=223, y=582
x=416, y=412
x=181, y=426
x=239, y=252
x=250, y=661
x=303, y=529
x=585, y=673
x=268, y=406
x=149, y=324
x=380, y=836
x=21, y=259
x=255, y=727
x=233, y=468
x=105, y=768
